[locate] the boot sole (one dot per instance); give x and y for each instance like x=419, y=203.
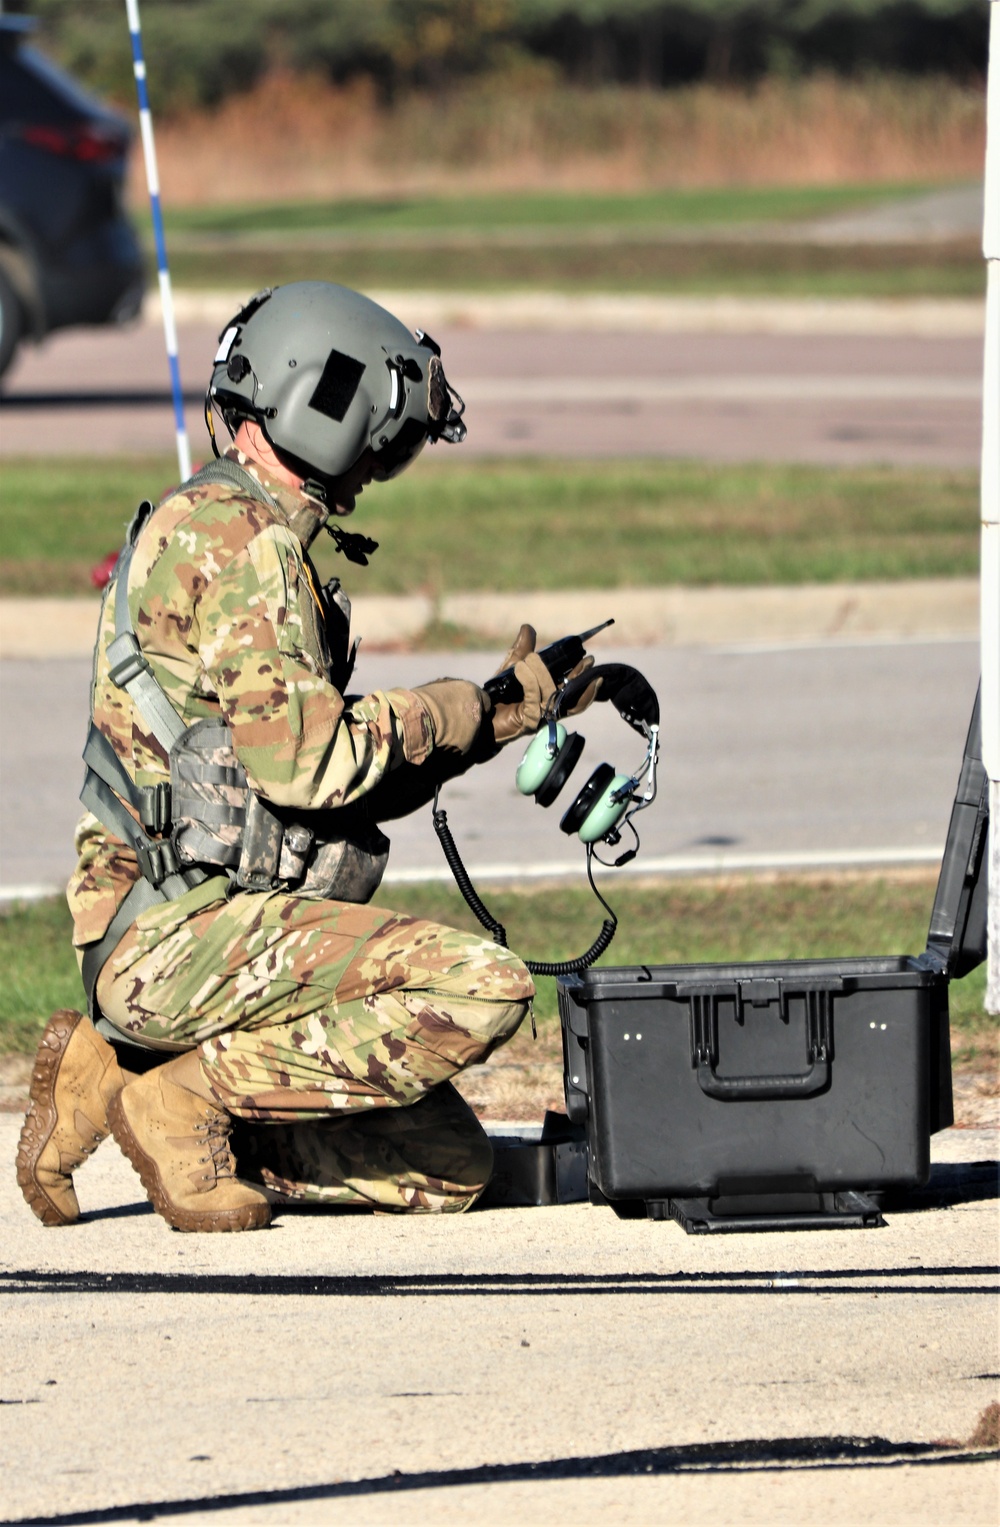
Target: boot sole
x=250, y=1217
x=40, y=1119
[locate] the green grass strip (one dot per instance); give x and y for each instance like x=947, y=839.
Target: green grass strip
x=619, y=266
x=676, y=922
x=670, y=208
x=538, y=525
x=571, y=242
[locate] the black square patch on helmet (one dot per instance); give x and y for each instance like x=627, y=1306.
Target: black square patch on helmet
x=337, y=386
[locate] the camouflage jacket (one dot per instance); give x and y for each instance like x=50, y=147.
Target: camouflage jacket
x=225, y=606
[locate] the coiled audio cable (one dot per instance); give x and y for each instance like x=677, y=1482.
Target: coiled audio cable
x=497, y=929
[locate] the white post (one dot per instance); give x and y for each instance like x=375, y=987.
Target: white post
x=163, y=270
x=990, y=607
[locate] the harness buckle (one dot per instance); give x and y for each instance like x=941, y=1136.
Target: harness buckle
x=127, y=662
x=157, y=860
x=154, y=807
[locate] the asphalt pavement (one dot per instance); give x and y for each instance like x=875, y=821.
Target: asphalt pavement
x=723, y=379
x=788, y=755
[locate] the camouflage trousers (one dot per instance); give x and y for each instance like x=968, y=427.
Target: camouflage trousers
x=430, y=1155
x=336, y=1025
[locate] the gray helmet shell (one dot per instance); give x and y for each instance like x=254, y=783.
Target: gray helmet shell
x=327, y=373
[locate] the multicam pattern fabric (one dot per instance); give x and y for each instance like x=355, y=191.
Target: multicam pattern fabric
x=303, y=1007
x=433, y=1155
x=312, y=1011
x=334, y=1025
x=225, y=606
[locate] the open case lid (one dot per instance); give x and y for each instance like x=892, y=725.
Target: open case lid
x=956, y=940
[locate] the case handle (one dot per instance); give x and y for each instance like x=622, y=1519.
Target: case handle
x=752, y=1089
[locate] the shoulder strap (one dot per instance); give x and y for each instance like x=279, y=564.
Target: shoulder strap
x=129, y=668
x=107, y=783
x=223, y=470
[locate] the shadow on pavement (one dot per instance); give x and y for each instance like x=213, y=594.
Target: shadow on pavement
x=753, y=1456
x=120, y=1211
x=849, y=1281
x=951, y=1183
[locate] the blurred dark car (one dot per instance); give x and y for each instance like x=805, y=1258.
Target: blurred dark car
x=68, y=254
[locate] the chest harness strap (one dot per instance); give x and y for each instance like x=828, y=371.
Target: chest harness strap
x=107, y=782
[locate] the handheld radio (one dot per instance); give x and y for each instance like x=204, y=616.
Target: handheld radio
x=560, y=659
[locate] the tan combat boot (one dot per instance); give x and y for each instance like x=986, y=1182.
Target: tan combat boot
x=75, y=1076
x=177, y=1138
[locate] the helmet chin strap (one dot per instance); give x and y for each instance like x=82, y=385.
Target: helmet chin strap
x=352, y=544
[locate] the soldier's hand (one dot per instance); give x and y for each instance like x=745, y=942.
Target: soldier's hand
x=587, y=698
x=524, y=645
x=524, y=642
x=525, y=715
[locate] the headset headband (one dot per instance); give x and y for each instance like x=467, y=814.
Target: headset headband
x=631, y=694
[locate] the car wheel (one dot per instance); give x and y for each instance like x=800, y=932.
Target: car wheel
x=11, y=323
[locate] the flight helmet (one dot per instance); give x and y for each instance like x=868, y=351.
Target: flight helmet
x=326, y=372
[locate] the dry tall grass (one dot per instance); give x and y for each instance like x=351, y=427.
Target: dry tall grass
x=295, y=138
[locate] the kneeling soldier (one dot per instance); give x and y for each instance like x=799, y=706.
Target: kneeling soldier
x=231, y=847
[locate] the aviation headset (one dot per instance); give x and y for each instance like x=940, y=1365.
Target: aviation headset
x=608, y=801
x=603, y=804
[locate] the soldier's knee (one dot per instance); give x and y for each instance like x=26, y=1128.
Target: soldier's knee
x=521, y=990
x=498, y=978
x=488, y=991
x=509, y=1020
x=514, y=976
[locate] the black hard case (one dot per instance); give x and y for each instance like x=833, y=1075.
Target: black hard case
x=735, y=1084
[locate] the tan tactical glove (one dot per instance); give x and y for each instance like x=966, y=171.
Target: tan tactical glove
x=511, y=721
x=524, y=643
x=524, y=715
x=456, y=708
x=587, y=698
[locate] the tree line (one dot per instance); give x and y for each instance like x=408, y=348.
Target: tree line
x=201, y=51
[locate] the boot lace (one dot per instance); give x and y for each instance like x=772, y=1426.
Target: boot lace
x=220, y=1158
x=86, y=1148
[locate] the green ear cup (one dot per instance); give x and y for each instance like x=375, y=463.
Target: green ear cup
x=563, y=765
x=606, y=812
x=534, y=768
x=594, y=812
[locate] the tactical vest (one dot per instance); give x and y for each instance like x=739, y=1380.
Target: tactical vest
x=207, y=820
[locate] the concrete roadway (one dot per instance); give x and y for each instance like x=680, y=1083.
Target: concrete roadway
x=783, y=755
x=834, y=398
x=516, y=1365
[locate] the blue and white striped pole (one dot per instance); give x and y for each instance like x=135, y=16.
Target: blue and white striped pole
x=990, y=572
x=163, y=270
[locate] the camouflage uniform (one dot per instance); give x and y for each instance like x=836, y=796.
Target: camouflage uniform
x=337, y=1024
